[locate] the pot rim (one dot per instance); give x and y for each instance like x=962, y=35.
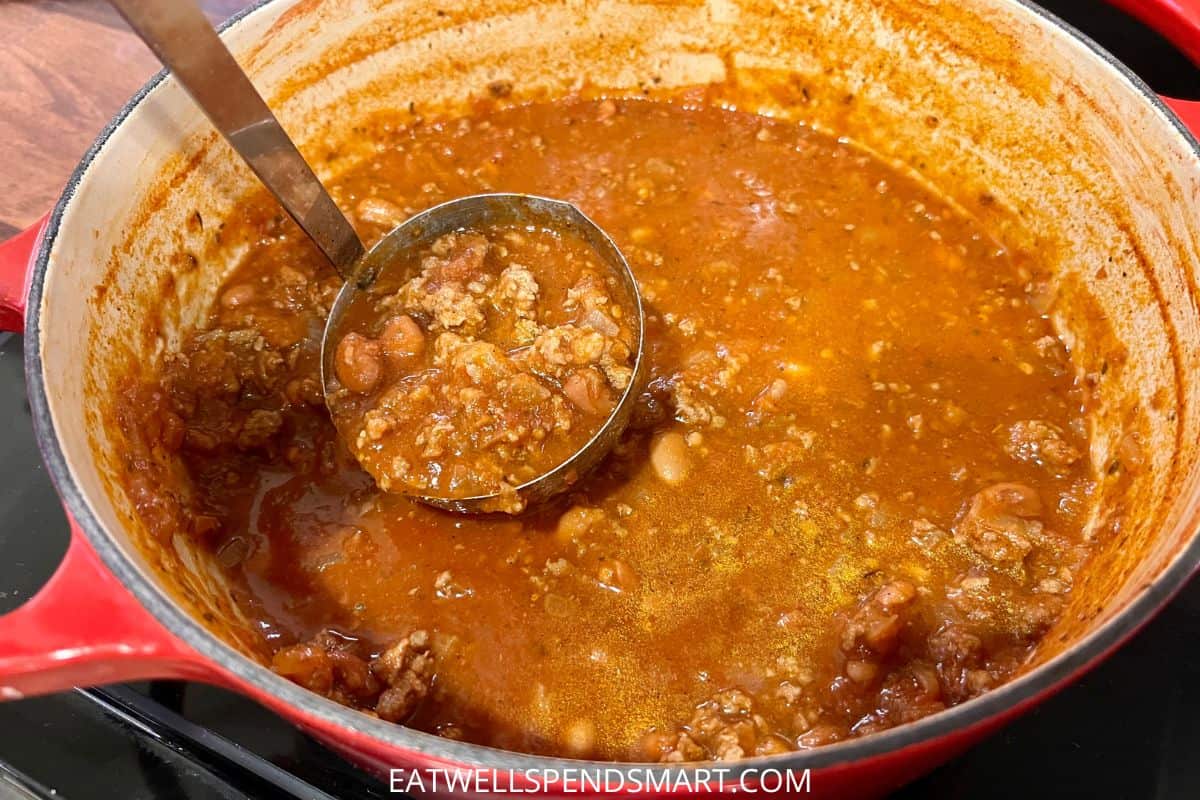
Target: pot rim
x=993, y=706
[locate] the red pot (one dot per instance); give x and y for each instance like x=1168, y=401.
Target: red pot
x=1121, y=163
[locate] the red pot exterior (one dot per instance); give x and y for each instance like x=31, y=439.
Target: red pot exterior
x=86, y=628
x=16, y=266
x=1177, y=20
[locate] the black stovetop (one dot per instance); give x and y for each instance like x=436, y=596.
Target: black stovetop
x=1130, y=729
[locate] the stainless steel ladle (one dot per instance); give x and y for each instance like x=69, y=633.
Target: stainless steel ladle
x=182, y=38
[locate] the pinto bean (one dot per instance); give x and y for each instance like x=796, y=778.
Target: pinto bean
x=772, y=745
x=238, y=295
x=820, y=735
x=402, y=339
x=669, y=457
x=861, y=671
x=618, y=576
x=576, y=521
x=378, y=211
x=357, y=363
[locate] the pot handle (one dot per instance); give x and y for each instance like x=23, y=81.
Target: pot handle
x=16, y=259
x=84, y=628
x=1188, y=112
x=1177, y=20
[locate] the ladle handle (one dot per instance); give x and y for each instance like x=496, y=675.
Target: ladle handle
x=182, y=38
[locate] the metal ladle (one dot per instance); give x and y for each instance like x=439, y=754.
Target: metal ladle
x=182, y=38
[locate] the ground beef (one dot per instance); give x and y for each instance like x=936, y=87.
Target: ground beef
x=960, y=656
x=589, y=294
x=779, y=463
x=377, y=211
x=407, y=668
x=907, y=694
x=329, y=666
x=393, y=684
x=691, y=406
x=258, y=429
x=228, y=362
x=1000, y=524
x=1039, y=442
x=450, y=306
x=1004, y=604
x=873, y=628
x=518, y=291
x=708, y=378
x=558, y=351
x=456, y=257
x=723, y=728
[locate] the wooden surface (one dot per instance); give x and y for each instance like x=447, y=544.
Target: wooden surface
x=68, y=66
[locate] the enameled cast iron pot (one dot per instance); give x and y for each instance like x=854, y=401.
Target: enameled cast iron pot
x=1025, y=123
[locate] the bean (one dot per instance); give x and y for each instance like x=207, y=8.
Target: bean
x=378, y=211
x=402, y=339
x=820, y=735
x=357, y=363
x=576, y=521
x=238, y=295
x=772, y=745
x=862, y=671
x=669, y=457
x=641, y=234
x=618, y=576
